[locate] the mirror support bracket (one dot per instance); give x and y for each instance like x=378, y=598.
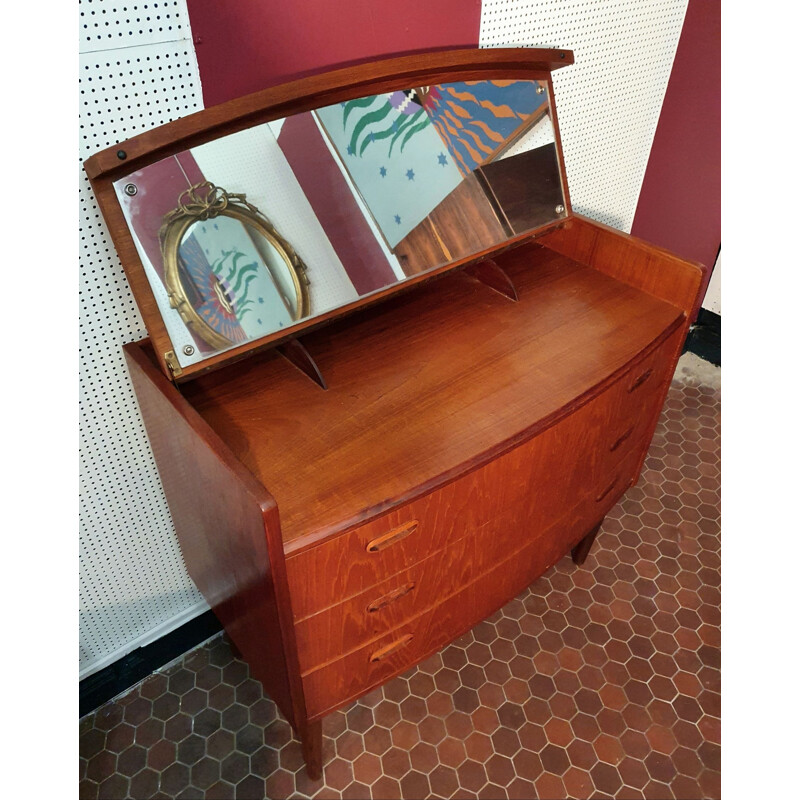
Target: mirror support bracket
x=295, y=352
x=490, y=273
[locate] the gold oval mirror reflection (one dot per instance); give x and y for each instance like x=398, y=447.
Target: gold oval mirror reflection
x=231, y=276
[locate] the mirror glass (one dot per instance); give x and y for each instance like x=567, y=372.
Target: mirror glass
x=248, y=234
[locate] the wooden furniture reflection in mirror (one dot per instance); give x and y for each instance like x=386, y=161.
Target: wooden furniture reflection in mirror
x=473, y=431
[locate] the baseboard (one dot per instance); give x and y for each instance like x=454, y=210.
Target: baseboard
x=705, y=338
x=127, y=671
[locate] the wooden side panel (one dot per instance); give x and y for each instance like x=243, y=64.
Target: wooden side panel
x=639, y=264
x=229, y=533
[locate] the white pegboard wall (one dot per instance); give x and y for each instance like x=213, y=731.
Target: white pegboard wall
x=108, y=25
x=609, y=101
x=133, y=583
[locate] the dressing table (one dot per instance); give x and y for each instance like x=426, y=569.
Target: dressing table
x=391, y=377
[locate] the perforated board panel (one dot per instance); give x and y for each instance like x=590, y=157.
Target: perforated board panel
x=108, y=25
x=133, y=583
x=609, y=101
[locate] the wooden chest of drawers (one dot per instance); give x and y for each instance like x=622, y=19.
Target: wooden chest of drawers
x=364, y=560
x=473, y=431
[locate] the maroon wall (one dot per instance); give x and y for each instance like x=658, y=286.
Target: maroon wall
x=246, y=45
x=679, y=205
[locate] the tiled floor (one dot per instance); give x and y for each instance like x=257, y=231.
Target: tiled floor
x=601, y=681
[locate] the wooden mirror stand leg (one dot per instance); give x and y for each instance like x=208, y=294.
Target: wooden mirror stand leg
x=581, y=550
x=491, y=274
x=294, y=351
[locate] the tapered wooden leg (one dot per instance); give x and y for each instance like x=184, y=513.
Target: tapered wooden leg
x=311, y=739
x=581, y=550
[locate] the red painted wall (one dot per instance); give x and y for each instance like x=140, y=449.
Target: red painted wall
x=246, y=45
x=679, y=205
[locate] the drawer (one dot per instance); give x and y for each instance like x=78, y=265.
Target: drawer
x=349, y=677
x=636, y=396
x=396, y=651
x=625, y=415
x=339, y=628
x=594, y=505
x=326, y=635
x=329, y=633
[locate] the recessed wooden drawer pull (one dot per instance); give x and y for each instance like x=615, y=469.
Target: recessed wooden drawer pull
x=640, y=380
x=396, y=594
x=379, y=655
x=606, y=491
x=621, y=439
x=392, y=537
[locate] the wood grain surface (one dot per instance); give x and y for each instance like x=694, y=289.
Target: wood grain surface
x=475, y=521
x=355, y=672
x=464, y=443
x=532, y=481
x=638, y=263
x=326, y=89
x=426, y=384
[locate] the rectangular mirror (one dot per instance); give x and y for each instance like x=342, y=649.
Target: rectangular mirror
x=248, y=234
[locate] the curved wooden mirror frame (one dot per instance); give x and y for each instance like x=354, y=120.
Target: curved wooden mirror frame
x=277, y=102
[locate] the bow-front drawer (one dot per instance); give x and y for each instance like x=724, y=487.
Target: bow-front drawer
x=624, y=419
x=379, y=659
x=327, y=634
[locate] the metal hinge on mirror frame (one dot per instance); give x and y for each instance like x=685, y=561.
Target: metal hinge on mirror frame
x=172, y=362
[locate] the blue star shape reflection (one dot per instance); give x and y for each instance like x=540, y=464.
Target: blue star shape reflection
x=410, y=174
x=397, y=218
x=383, y=172
x=442, y=159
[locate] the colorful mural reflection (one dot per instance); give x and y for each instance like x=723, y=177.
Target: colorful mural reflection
x=407, y=150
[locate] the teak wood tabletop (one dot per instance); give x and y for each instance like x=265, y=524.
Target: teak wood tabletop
x=422, y=385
